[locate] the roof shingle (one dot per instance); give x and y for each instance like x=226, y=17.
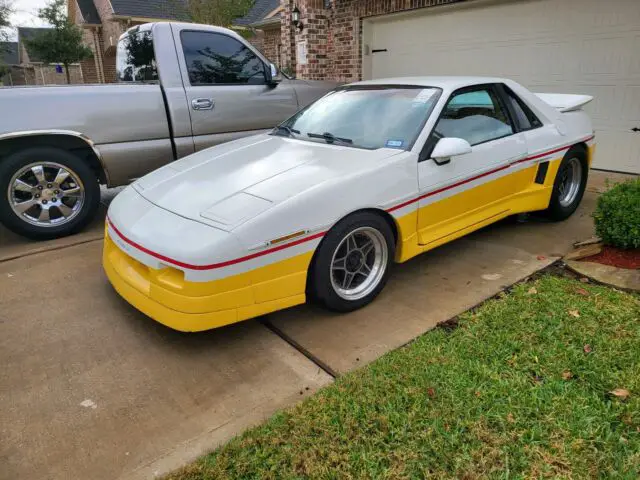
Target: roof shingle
x=27, y=33
x=260, y=9
x=9, y=53
x=89, y=12
x=161, y=9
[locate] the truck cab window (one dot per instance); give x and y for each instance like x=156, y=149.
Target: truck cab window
x=136, y=61
x=214, y=58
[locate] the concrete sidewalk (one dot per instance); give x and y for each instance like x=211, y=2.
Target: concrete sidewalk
x=93, y=389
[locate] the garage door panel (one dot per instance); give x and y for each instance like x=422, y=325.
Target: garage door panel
x=618, y=150
x=563, y=46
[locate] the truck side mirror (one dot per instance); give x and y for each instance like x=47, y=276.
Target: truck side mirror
x=272, y=75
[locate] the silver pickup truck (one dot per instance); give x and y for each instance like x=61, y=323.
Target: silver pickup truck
x=182, y=88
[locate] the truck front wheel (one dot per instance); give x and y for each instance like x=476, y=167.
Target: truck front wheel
x=46, y=193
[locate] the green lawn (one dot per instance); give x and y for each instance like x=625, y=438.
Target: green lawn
x=521, y=389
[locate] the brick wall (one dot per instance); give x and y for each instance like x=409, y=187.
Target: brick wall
x=91, y=68
x=268, y=41
x=18, y=76
x=315, y=33
x=90, y=71
x=333, y=35
x=109, y=65
x=287, y=38
x=47, y=75
x=111, y=29
x=41, y=75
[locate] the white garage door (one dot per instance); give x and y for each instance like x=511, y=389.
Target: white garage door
x=564, y=46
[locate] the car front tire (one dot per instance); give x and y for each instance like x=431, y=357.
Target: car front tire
x=353, y=262
x=46, y=193
x=569, y=185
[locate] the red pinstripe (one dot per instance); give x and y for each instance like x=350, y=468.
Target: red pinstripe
x=484, y=174
x=213, y=265
x=319, y=234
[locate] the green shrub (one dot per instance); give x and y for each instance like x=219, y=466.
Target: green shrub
x=617, y=215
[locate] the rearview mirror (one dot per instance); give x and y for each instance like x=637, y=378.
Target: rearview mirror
x=449, y=147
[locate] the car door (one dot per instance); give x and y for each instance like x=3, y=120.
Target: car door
x=226, y=88
x=469, y=190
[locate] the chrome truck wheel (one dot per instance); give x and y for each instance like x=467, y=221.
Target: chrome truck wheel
x=47, y=192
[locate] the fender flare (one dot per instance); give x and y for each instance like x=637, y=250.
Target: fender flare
x=68, y=133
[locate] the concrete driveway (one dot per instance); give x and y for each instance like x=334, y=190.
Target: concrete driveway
x=93, y=389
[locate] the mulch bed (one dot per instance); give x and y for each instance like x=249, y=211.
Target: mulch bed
x=616, y=257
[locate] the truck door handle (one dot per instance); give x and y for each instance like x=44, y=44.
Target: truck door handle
x=202, y=104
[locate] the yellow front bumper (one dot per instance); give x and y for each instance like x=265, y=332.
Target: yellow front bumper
x=166, y=297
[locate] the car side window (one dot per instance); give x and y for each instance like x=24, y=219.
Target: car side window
x=215, y=58
x=476, y=116
x=525, y=118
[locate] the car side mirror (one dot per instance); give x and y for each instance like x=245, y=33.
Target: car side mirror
x=272, y=74
x=449, y=147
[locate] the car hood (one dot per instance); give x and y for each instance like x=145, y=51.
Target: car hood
x=229, y=184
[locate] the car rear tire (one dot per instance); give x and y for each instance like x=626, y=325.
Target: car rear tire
x=569, y=185
x=353, y=262
x=47, y=193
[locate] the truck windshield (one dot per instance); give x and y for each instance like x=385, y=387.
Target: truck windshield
x=365, y=117
x=136, y=61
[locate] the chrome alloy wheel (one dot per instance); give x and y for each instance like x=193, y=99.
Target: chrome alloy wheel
x=359, y=263
x=46, y=194
x=570, y=181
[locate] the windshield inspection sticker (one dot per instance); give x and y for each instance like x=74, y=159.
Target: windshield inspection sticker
x=394, y=143
x=424, y=96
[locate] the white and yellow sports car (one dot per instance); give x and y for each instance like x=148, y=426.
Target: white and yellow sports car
x=373, y=173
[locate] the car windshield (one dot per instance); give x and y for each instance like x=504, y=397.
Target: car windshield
x=372, y=117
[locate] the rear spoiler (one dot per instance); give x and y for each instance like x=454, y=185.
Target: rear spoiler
x=564, y=102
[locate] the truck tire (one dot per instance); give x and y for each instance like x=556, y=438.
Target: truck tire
x=47, y=193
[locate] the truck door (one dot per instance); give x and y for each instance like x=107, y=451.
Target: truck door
x=226, y=89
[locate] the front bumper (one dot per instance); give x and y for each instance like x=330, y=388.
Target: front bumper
x=166, y=297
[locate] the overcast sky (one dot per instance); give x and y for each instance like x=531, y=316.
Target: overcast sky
x=26, y=14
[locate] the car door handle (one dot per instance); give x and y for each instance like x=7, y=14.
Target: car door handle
x=202, y=104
